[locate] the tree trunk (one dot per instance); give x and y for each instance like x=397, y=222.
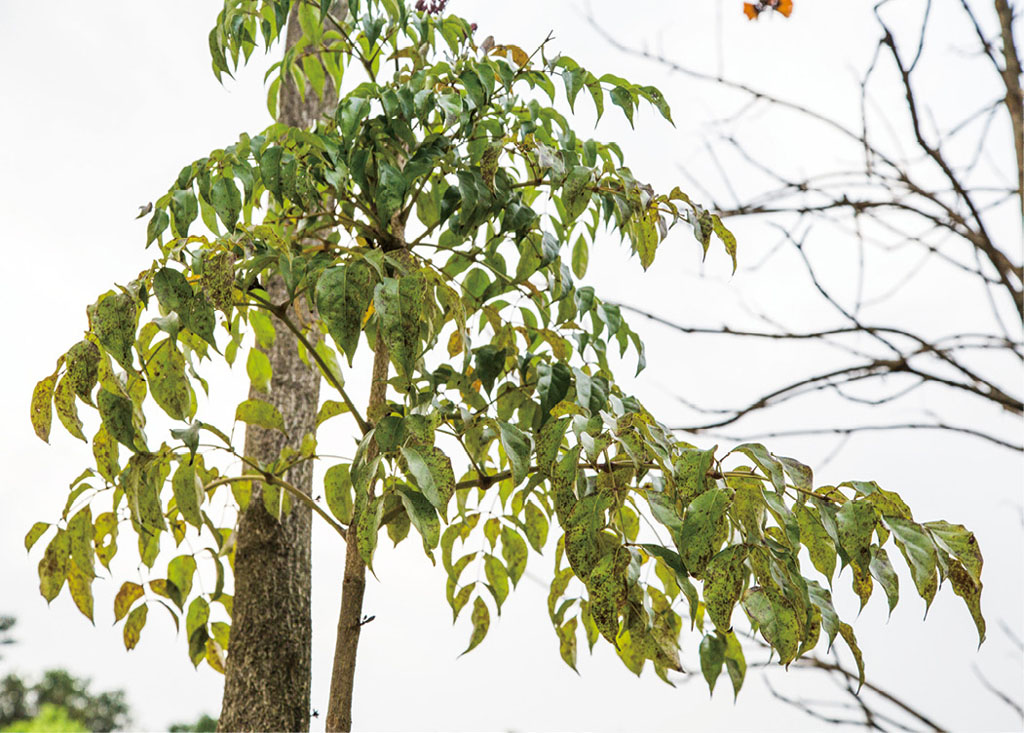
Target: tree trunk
x=267, y=679
x=343, y=671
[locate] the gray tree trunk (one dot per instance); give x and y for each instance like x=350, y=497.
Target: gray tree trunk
x=267, y=680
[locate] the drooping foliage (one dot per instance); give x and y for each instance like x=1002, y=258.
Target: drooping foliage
x=448, y=208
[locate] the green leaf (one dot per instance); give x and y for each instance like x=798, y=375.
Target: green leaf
x=258, y=367
x=264, y=329
x=343, y=295
x=112, y=318
x=575, y=195
x=329, y=409
x=856, y=522
x=188, y=494
x=481, y=619
x=701, y=534
x=197, y=616
x=399, y=305
x=553, y=381
x=883, y=572
x=766, y=462
x=431, y=470
x=338, y=492
x=919, y=551
x=621, y=97
x=712, y=657
x=735, y=663
x=41, y=412
x=180, y=571
x=126, y=596
x=518, y=448
x=67, y=412
x=184, y=210
x=165, y=372
x=172, y=289
x=391, y=188
x=133, y=626
x=723, y=585
x=423, y=517
x=53, y=567
x=270, y=170
x=260, y=413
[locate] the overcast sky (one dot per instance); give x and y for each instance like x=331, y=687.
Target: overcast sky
x=104, y=102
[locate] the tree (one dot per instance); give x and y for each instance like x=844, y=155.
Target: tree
x=484, y=349
x=60, y=701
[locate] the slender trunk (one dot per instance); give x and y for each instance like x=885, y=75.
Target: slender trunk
x=267, y=679
x=339, y=713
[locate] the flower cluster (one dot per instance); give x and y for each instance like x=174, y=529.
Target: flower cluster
x=431, y=7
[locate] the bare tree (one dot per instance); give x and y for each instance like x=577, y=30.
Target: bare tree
x=930, y=199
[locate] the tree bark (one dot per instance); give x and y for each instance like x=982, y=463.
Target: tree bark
x=267, y=679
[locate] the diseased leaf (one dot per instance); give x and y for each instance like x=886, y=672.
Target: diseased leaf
x=338, y=492
x=846, y=631
x=42, y=413
x=965, y=586
x=723, y=585
x=700, y=535
x=423, y=516
x=126, y=596
x=133, y=626
x=514, y=552
x=735, y=663
x=80, y=535
x=431, y=469
x=481, y=622
x=399, y=306
x=80, y=587
x=343, y=295
x=959, y=542
x=367, y=526
x=67, y=411
x=814, y=537
x=112, y=318
x=536, y=527
x=82, y=367
x=497, y=579
x=856, y=523
x=35, y=533
x=776, y=620
x=165, y=371
x=188, y=494
x=53, y=567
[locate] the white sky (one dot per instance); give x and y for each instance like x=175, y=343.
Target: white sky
x=102, y=105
